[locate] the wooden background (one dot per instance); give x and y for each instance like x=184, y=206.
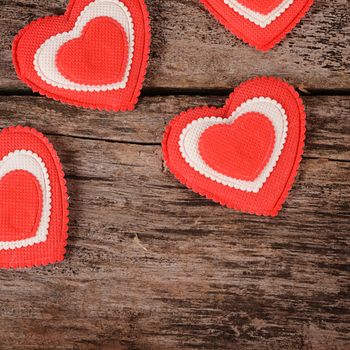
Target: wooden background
x=153, y=266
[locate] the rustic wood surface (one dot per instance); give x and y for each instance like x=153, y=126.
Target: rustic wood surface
x=153, y=266
x=192, y=51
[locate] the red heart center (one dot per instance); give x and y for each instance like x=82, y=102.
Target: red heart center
x=262, y=6
x=20, y=206
x=98, y=57
x=240, y=150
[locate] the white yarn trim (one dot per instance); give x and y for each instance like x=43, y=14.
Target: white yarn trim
x=190, y=136
x=256, y=17
x=45, y=57
x=32, y=163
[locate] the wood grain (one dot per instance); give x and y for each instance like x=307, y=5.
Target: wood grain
x=192, y=51
x=151, y=265
x=327, y=120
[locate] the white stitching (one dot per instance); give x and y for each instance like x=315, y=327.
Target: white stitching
x=256, y=17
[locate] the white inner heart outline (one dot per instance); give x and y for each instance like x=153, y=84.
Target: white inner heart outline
x=45, y=57
x=33, y=164
x=257, y=18
x=190, y=136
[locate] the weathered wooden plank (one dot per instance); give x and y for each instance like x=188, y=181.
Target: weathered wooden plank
x=200, y=276
x=151, y=265
x=327, y=120
x=192, y=51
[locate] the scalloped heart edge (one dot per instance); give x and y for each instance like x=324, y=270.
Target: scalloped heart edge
x=130, y=106
x=276, y=40
x=59, y=257
x=292, y=176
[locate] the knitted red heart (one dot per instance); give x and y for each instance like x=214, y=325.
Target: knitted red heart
x=20, y=218
x=240, y=150
x=34, y=207
x=103, y=57
x=94, y=56
x=261, y=24
x=244, y=155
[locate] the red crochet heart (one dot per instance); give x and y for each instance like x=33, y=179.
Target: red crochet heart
x=102, y=58
x=261, y=24
x=94, y=56
x=262, y=6
x=219, y=152
x=34, y=205
x=240, y=150
x=20, y=217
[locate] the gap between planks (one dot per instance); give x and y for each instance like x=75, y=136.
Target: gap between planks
x=151, y=92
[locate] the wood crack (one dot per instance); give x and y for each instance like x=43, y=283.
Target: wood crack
x=152, y=92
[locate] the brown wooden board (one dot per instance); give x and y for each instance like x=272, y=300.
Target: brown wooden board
x=151, y=265
x=191, y=50
x=328, y=125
